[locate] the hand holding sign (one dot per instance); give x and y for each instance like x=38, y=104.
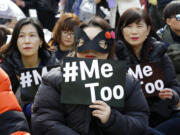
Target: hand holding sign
x=102, y=111
x=151, y=77
x=166, y=94
x=88, y=80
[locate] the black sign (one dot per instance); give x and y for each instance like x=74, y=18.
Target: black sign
x=151, y=77
x=30, y=79
x=88, y=80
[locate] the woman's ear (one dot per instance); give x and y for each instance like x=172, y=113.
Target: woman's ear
x=41, y=42
x=148, y=30
x=168, y=21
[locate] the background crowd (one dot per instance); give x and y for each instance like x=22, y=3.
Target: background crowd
x=145, y=31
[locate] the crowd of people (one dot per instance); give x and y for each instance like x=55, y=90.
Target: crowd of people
x=117, y=32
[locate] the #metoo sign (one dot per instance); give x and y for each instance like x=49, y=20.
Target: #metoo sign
x=30, y=79
x=88, y=80
x=151, y=77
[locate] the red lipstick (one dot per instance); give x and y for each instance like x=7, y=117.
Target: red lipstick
x=90, y=56
x=134, y=38
x=27, y=48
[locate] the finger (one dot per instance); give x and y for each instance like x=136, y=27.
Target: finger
x=166, y=90
x=97, y=115
x=99, y=102
x=166, y=94
x=98, y=107
x=98, y=112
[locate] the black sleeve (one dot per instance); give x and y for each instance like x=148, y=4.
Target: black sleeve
x=12, y=121
x=47, y=116
x=134, y=119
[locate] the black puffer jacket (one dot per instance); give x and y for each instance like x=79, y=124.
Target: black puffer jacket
x=13, y=121
x=155, y=51
x=12, y=65
x=57, y=118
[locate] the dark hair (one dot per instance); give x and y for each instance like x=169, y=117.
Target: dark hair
x=132, y=15
x=66, y=22
x=171, y=9
x=3, y=35
x=12, y=46
x=97, y=21
x=104, y=25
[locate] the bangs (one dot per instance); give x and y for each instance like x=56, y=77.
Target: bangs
x=132, y=17
x=68, y=25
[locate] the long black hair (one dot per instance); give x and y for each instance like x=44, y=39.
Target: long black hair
x=12, y=46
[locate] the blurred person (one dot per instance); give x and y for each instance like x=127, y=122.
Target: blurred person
x=63, y=35
x=170, y=34
x=69, y=5
x=46, y=10
x=98, y=118
x=155, y=9
x=12, y=120
x=98, y=8
x=138, y=46
x=4, y=32
x=11, y=23
x=8, y=23
x=25, y=5
x=26, y=49
x=118, y=7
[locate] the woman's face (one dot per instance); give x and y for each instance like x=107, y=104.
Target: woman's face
x=67, y=40
x=91, y=32
x=136, y=33
x=28, y=41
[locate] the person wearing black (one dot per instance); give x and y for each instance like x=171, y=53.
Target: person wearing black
x=46, y=10
x=137, y=45
x=26, y=49
x=98, y=118
x=170, y=33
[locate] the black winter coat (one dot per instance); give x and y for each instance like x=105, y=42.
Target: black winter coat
x=12, y=121
x=154, y=51
x=12, y=65
x=57, y=118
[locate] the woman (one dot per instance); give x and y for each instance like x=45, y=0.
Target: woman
x=67, y=119
x=140, y=46
x=63, y=36
x=27, y=49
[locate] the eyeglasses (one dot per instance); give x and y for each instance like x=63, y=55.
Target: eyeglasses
x=177, y=17
x=67, y=33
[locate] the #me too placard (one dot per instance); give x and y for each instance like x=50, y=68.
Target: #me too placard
x=88, y=80
x=30, y=79
x=151, y=77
